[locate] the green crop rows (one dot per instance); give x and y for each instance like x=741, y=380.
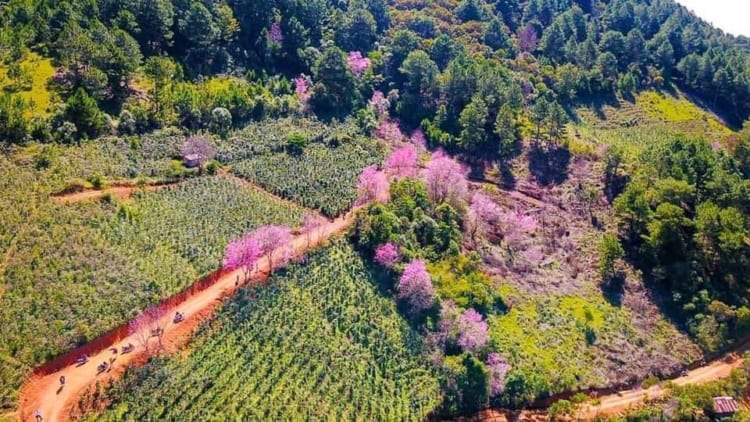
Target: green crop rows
x=317, y=343
x=73, y=271
x=322, y=178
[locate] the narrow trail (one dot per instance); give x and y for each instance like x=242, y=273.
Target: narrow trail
x=120, y=192
x=55, y=403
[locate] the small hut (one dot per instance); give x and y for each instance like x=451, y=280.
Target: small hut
x=725, y=406
x=191, y=160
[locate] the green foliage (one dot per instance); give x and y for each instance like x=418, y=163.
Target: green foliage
x=335, y=91
x=78, y=270
x=322, y=178
x=461, y=280
x=411, y=221
x=354, y=357
x=610, y=251
x=466, y=380
x=83, y=112
x=685, y=213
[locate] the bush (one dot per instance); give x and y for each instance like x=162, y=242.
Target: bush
x=97, y=181
x=213, y=167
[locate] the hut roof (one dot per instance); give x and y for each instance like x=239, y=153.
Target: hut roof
x=725, y=405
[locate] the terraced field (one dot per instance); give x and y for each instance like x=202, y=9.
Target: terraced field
x=318, y=342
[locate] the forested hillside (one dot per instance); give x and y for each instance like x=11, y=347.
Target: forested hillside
x=542, y=197
x=141, y=63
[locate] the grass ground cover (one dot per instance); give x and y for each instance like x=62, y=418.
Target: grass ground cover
x=317, y=343
x=651, y=117
x=319, y=177
x=37, y=71
x=71, y=272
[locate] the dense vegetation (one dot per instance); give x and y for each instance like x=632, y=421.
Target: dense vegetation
x=353, y=357
x=684, y=217
x=469, y=72
x=612, y=218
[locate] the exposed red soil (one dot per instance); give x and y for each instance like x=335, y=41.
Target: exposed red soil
x=43, y=392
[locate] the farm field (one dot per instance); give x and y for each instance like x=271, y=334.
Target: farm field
x=76, y=270
x=319, y=177
x=354, y=357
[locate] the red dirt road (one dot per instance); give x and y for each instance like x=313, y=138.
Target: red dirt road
x=620, y=402
x=44, y=393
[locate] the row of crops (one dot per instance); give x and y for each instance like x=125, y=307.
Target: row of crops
x=320, y=177
x=70, y=272
x=317, y=343
x=195, y=220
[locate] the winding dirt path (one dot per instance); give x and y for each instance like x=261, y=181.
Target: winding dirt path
x=55, y=403
x=620, y=402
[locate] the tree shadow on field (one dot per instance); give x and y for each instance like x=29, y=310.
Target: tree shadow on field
x=614, y=289
x=549, y=163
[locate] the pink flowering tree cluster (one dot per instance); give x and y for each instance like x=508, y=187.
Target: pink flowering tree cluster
x=372, y=186
x=268, y=241
x=467, y=330
x=527, y=39
x=516, y=225
x=274, y=33
x=483, y=217
x=272, y=240
x=472, y=331
x=499, y=369
x=312, y=227
x=380, y=105
x=446, y=179
x=357, y=63
x=243, y=253
x=402, y=162
x=415, y=287
x=302, y=90
x=389, y=131
x=418, y=139
x=387, y=255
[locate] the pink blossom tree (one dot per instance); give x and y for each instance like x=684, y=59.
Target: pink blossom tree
x=516, y=225
x=199, y=149
x=141, y=329
x=527, y=39
x=415, y=287
x=499, y=369
x=274, y=33
x=373, y=186
x=389, y=131
x=483, y=216
x=446, y=179
x=273, y=239
x=387, y=255
x=357, y=63
x=312, y=226
x=380, y=105
x=418, y=139
x=243, y=253
x=402, y=162
x=472, y=331
x=302, y=90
